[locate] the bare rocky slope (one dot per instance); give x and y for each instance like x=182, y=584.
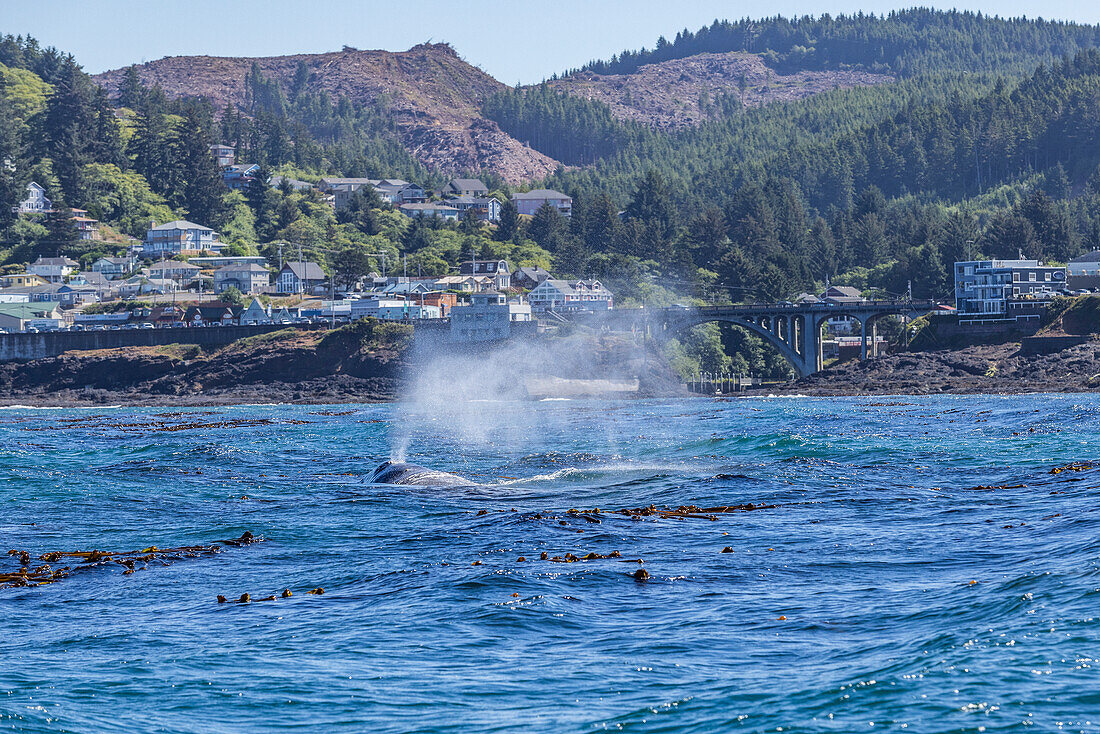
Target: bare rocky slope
x=435, y=98
x=668, y=94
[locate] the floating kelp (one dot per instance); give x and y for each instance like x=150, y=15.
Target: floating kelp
x=694, y=511
x=1075, y=466
x=130, y=560
x=162, y=426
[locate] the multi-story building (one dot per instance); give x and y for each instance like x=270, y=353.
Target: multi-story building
x=394, y=309
x=471, y=187
x=177, y=270
x=489, y=317
x=179, y=238
x=239, y=176
x=530, y=201
x=113, y=267
x=299, y=277
x=564, y=295
x=52, y=269
x=36, y=201
x=249, y=278
x=486, y=209
x=225, y=155
x=443, y=211
x=1005, y=290
x=495, y=269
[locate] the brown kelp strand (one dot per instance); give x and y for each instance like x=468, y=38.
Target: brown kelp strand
x=1075, y=466
x=693, y=511
x=164, y=426
x=131, y=561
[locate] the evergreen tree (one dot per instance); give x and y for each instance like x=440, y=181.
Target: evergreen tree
x=201, y=191
x=508, y=225
x=131, y=92
x=62, y=231
x=349, y=265
x=546, y=226
x=149, y=148
x=12, y=161
x=67, y=127
x=652, y=205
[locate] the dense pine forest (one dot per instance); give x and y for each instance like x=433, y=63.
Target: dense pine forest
x=986, y=142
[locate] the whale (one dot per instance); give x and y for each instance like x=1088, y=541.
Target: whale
x=397, y=472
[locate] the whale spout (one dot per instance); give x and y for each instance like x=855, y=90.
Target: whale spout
x=394, y=472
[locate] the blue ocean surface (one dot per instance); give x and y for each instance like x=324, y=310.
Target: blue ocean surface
x=908, y=564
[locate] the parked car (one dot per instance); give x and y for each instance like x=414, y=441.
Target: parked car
x=145, y=325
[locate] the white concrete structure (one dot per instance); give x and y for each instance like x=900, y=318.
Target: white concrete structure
x=489, y=317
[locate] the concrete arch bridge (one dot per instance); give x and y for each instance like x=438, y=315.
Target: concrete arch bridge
x=793, y=329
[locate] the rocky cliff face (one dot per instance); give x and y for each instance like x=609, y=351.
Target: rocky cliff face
x=434, y=96
x=682, y=92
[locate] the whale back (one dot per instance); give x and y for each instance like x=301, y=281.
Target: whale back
x=394, y=472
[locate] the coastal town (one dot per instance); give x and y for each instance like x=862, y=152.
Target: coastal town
x=180, y=276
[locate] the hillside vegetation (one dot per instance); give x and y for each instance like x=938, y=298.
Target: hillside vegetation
x=895, y=145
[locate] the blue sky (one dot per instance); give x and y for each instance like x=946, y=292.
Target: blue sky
x=514, y=40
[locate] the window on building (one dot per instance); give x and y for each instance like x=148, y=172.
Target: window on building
x=1031, y=277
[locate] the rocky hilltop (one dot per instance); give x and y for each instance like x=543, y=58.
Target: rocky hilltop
x=435, y=98
x=682, y=92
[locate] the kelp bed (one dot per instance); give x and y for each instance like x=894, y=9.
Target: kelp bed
x=132, y=561
x=157, y=423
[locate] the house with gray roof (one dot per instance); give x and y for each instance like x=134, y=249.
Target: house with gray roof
x=528, y=202
x=300, y=277
x=179, y=238
x=466, y=187
x=247, y=278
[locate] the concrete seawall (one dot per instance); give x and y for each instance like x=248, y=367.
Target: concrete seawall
x=1033, y=345
x=19, y=347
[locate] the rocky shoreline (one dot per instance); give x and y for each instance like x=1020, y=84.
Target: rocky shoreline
x=309, y=368
x=981, y=369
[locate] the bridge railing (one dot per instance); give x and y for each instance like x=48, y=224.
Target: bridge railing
x=792, y=307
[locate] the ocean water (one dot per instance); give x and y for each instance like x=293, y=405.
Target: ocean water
x=910, y=564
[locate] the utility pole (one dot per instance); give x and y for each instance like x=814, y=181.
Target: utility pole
x=280, y=257
x=332, y=300
x=300, y=273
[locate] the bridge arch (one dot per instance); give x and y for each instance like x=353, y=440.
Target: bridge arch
x=768, y=328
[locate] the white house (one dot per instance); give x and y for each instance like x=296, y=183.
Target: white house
x=247, y=278
x=563, y=295
x=254, y=314
x=52, y=269
x=179, y=238
x=466, y=187
x=393, y=309
x=495, y=269
x=140, y=285
x=1087, y=264
x=486, y=209
x=113, y=267
x=176, y=270
x=429, y=210
x=489, y=317
x=299, y=277
x=530, y=201
x=35, y=202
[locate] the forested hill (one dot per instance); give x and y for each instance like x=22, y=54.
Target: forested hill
x=904, y=43
x=428, y=94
